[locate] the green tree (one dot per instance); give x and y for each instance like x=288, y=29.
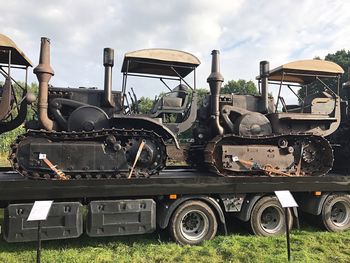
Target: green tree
x=145, y=105
x=201, y=93
x=31, y=88
x=342, y=58
x=32, y=110
x=240, y=86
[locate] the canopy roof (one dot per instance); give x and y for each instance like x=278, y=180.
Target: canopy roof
x=17, y=58
x=159, y=61
x=304, y=71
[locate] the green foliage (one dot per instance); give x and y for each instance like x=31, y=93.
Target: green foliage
x=342, y=58
x=240, y=86
x=6, y=139
x=31, y=88
x=201, y=93
x=34, y=89
x=145, y=105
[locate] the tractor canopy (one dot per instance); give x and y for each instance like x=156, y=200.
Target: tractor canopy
x=17, y=56
x=165, y=62
x=304, y=71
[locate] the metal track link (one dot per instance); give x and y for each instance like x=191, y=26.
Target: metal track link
x=87, y=136
x=209, y=156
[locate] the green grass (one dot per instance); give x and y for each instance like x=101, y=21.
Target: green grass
x=310, y=245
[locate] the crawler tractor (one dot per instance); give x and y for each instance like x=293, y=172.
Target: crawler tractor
x=247, y=135
x=89, y=133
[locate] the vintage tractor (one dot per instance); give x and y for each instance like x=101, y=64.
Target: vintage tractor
x=247, y=135
x=87, y=133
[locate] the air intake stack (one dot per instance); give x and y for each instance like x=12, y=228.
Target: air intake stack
x=44, y=72
x=108, y=63
x=215, y=81
x=264, y=74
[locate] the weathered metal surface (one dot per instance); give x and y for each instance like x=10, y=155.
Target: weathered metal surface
x=108, y=153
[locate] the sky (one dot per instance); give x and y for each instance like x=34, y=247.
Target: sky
x=245, y=32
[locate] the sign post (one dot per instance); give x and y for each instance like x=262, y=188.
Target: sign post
x=39, y=212
x=287, y=201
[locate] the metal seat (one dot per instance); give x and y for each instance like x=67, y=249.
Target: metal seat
x=175, y=101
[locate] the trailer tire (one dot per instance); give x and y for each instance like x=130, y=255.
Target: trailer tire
x=335, y=215
x=192, y=223
x=267, y=217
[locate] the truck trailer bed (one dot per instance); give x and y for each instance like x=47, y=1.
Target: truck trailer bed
x=14, y=187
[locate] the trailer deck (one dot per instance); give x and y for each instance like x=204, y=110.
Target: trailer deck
x=14, y=187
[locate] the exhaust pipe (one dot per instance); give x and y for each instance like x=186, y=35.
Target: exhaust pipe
x=108, y=63
x=215, y=81
x=264, y=74
x=44, y=72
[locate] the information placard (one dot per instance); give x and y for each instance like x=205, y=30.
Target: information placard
x=40, y=211
x=286, y=199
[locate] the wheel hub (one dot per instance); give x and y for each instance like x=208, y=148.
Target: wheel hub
x=340, y=214
x=194, y=225
x=271, y=219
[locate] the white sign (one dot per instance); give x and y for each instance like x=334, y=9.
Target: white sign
x=40, y=210
x=42, y=156
x=286, y=199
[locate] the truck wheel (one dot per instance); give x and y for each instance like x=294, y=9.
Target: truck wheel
x=192, y=223
x=335, y=214
x=267, y=217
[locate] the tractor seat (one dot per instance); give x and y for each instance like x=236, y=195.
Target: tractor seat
x=319, y=103
x=172, y=102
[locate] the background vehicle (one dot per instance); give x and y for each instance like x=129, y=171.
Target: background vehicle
x=14, y=98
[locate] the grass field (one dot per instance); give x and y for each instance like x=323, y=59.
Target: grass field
x=308, y=245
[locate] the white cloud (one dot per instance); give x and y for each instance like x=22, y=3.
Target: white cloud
x=245, y=32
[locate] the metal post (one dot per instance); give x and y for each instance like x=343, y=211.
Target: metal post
x=295, y=211
x=287, y=231
x=38, y=251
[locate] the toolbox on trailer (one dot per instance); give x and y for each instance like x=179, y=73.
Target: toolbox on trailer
x=64, y=221
x=121, y=217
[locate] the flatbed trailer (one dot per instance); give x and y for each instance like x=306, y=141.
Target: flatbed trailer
x=192, y=204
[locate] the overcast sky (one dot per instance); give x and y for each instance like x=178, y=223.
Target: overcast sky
x=244, y=31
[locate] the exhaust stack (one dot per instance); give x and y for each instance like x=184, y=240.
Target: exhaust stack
x=108, y=63
x=264, y=74
x=215, y=81
x=44, y=72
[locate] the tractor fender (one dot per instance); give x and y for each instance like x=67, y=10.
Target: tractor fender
x=146, y=123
